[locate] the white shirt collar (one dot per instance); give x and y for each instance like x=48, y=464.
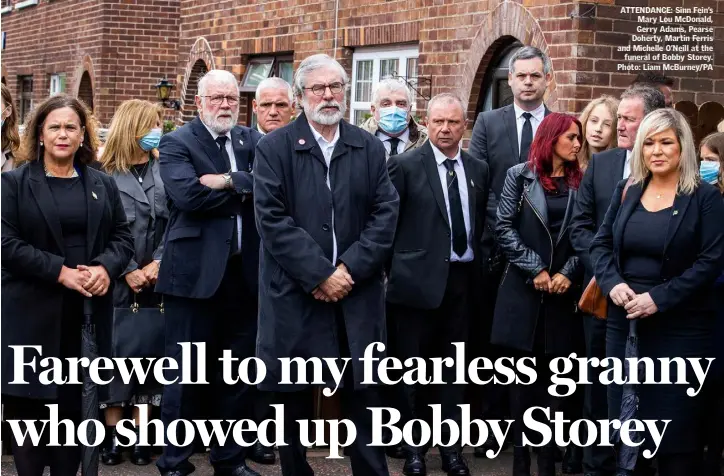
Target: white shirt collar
x=539, y=112
x=404, y=137
x=215, y=134
x=319, y=137
x=440, y=158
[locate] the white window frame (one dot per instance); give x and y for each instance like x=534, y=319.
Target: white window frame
x=56, y=84
x=401, y=52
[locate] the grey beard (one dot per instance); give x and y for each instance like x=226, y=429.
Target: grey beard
x=325, y=119
x=221, y=127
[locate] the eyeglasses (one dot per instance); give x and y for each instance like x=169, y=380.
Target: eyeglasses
x=319, y=89
x=218, y=100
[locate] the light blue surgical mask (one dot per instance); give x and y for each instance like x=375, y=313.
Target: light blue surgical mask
x=393, y=119
x=150, y=141
x=709, y=171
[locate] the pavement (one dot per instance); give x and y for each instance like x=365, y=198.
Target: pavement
x=501, y=466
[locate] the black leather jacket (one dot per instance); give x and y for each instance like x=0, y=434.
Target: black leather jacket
x=522, y=227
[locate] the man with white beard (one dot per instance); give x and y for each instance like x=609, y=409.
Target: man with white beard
x=326, y=213
x=208, y=273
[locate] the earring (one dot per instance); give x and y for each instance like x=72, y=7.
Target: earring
x=41, y=143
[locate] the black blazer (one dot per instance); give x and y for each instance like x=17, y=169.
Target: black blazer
x=420, y=261
x=693, y=254
x=604, y=172
x=33, y=255
x=201, y=220
x=495, y=141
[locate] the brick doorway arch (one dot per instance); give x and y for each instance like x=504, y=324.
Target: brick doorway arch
x=496, y=33
x=85, y=90
x=197, y=71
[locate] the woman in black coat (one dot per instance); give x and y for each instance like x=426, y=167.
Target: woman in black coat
x=64, y=239
x=657, y=256
x=536, y=303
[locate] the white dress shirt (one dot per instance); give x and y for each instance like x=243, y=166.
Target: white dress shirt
x=627, y=165
x=232, y=158
x=440, y=158
x=538, y=115
x=404, y=140
x=327, y=150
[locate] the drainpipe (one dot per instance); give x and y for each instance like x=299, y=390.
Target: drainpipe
x=336, y=23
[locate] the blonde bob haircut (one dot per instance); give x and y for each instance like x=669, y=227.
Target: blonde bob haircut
x=659, y=121
x=133, y=119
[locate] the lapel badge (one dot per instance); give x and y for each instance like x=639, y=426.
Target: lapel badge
x=472, y=184
x=95, y=197
x=302, y=142
x=241, y=142
x=676, y=212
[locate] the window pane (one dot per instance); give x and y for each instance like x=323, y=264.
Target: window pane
x=363, y=81
x=388, y=68
x=360, y=116
x=256, y=73
x=286, y=71
x=411, y=68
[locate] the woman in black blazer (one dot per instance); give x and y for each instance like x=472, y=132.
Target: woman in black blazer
x=64, y=239
x=536, y=303
x=657, y=256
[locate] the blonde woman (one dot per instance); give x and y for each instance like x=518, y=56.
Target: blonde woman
x=657, y=256
x=10, y=136
x=599, y=128
x=129, y=157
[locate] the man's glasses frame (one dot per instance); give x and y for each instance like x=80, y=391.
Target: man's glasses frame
x=319, y=89
x=219, y=100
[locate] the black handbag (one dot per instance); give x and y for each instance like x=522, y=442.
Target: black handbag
x=139, y=331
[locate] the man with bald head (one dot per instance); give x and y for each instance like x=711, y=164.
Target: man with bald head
x=273, y=104
x=435, y=266
x=391, y=120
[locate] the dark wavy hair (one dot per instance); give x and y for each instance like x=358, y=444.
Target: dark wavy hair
x=31, y=149
x=10, y=135
x=540, y=157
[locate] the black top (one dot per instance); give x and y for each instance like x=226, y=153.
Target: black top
x=69, y=196
x=557, y=202
x=643, y=245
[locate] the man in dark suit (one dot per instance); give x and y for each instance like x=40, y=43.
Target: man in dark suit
x=208, y=273
x=435, y=265
x=326, y=213
x=604, y=172
x=502, y=138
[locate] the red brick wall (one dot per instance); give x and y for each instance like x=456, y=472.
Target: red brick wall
x=125, y=46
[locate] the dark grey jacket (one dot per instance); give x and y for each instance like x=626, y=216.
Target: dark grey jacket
x=523, y=235
x=294, y=209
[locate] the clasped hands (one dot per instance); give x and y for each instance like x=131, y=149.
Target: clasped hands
x=144, y=277
x=636, y=305
x=88, y=280
x=558, y=284
x=335, y=287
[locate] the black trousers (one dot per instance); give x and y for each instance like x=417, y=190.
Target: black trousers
x=31, y=460
x=365, y=460
x=430, y=333
x=599, y=460
x=228, y=320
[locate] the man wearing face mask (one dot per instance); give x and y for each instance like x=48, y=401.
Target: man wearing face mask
x=208, y=273
x=391, y=121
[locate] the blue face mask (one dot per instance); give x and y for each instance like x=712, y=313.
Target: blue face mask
x=150, y=141
x=393, y=119
x=709, y=171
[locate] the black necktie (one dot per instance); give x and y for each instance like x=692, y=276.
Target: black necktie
x=393, y=145
x=221, y=140
x=459, y=235
x=526, y=138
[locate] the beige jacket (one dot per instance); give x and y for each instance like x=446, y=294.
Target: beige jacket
x=418, y=133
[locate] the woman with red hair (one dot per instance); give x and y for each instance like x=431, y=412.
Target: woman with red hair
x=535, y=311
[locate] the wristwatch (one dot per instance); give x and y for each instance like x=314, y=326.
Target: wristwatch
x=227, y=181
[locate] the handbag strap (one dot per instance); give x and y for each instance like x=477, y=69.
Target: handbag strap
x=135, y=307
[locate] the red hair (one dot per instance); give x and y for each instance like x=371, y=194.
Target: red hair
x=540, y=157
